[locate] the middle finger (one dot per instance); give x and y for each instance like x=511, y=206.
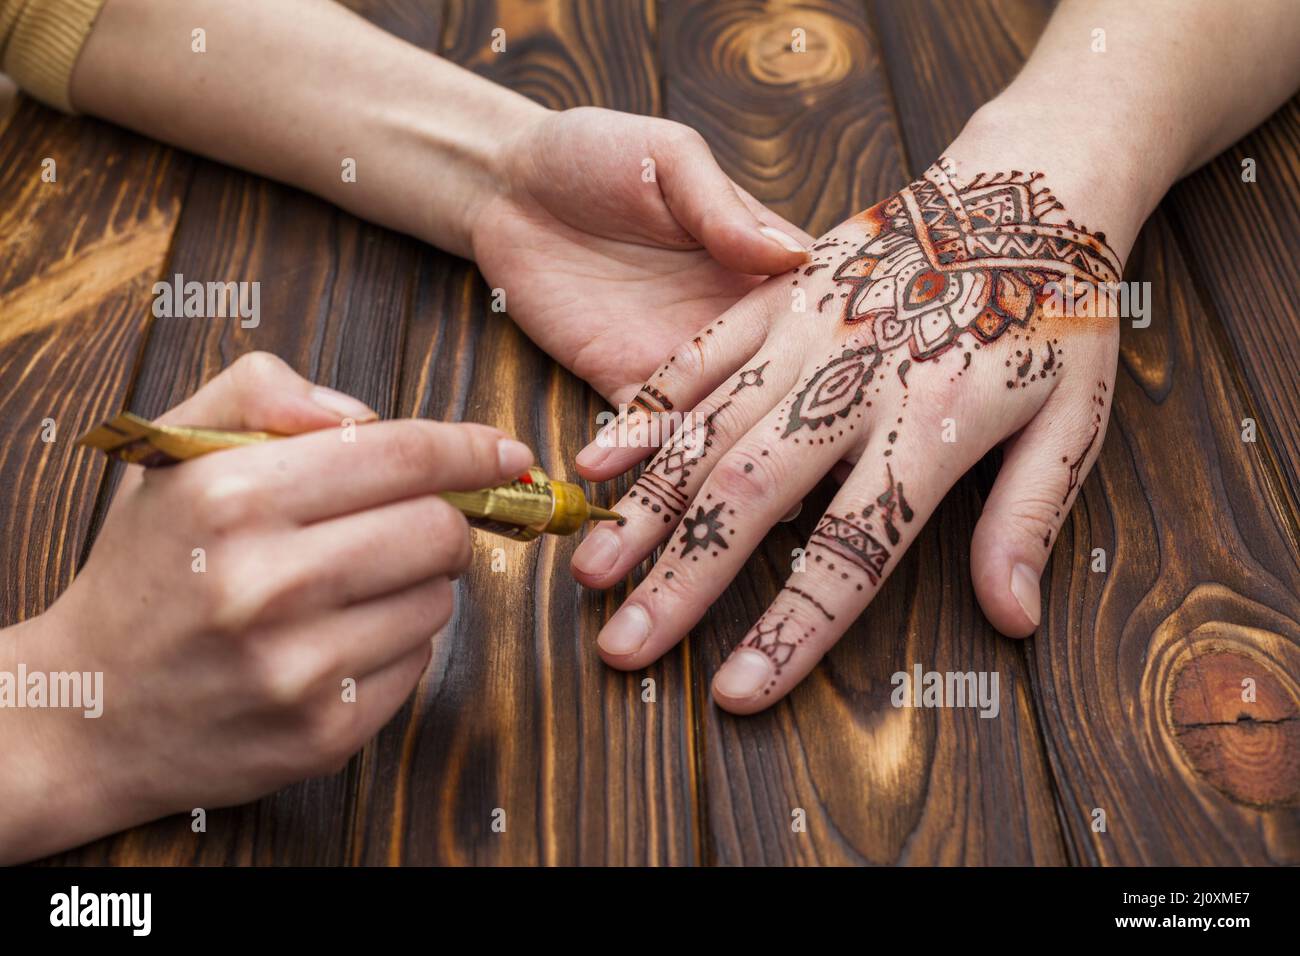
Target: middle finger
x=755, y=483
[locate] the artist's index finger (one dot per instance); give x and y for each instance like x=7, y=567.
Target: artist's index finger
x=342, y=470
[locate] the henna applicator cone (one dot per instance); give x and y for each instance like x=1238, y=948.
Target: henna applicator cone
x=533, y=504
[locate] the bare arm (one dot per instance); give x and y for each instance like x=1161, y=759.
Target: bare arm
x=293, y=88
x=631, y=210
x=1175, y=83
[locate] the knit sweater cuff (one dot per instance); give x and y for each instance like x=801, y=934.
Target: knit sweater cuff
x=44, y=44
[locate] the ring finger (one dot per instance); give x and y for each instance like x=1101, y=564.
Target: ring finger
x=751, y=487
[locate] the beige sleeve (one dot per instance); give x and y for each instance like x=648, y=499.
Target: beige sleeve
x=39, y=44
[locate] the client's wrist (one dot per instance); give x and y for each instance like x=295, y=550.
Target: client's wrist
x=1106, y=178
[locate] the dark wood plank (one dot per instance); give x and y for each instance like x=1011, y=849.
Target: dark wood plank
x=1138, y=671
x=517, y=712
x=1241, y=243
x=1133, y=669
x=78, y=258
x=814, y=134
x=946, y=58
x=811, y=134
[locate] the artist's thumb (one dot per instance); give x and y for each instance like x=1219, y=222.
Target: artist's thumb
x=260, y=392
x=706, y=203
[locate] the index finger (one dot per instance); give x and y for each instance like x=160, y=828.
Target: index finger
x=339, y=471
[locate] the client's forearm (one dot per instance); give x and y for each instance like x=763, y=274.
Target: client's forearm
x=1116, y=117
x=295, y=89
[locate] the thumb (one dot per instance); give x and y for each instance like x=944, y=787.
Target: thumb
x=1042, y=471
x=706, y=203
x=260, y=392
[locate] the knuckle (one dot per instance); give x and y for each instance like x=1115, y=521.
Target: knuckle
x=222, y=500
x=297, y=587
x=1035, y=518
x=945, y=397
x=253, y=368
x=440, y=611
x=448, y=529
x=680, y=136
x=429, y=616
x=252, y=592
x=281, y=678
x=742, y=475
x=426, y=654
x=430, y=609
x=227, y=603
x=479, y=445
x=416, y=447
x=687, y=360
x=675, y=590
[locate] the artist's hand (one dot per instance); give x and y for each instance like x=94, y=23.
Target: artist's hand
x=922, y=334
x=228, y=599
x=616, y=236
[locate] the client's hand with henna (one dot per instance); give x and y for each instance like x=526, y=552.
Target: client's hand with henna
x=925, y=331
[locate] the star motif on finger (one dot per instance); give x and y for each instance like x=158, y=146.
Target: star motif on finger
x=703, y=531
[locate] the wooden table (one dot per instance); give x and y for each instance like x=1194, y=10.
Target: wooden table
x=1116, y=704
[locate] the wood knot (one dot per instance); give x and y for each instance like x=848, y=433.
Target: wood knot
x=798, y=47
x=1238, y=726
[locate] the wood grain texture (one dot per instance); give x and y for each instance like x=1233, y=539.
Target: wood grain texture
x=1202, y=560
x=1200, y=566
x=813, y=134
x=1240, y=240
x=78, y=257
x=517, y=713
x=947, y=58
x=1129, y=700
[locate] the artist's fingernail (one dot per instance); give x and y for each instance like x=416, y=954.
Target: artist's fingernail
x=597, y=554
x=514, y=457
x=626, y=631
x=745, y=674
x=787, y=242
x=1024, y=585
x=793, y=512
x=344, y=406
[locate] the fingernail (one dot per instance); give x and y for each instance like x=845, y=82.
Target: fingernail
x=745, y=674
x=597, y=554
x=344, y=406
x=1024, y=585
x=514, y=456
x=787, y=242
x=793, y=512
x=626, y=631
